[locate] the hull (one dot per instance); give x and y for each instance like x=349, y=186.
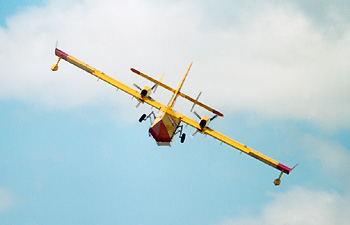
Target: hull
x=163, y=129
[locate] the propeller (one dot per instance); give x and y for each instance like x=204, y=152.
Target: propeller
x=196, y=100
x=199, y=117
x=195, y=113
x=203, y=121
x=137, y=86
x=155, y=86
x=144, y=92
x=211, y=119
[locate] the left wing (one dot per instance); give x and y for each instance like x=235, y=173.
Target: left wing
x=104, y=77
x=235, y=144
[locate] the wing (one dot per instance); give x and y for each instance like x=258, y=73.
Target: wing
x=235, y=144
x=104, y=77
x=180, y=93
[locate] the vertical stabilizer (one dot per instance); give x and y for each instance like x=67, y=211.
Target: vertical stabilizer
x=173, y=99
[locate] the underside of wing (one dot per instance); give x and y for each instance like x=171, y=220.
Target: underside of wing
x=106, y=78
x=235, y=144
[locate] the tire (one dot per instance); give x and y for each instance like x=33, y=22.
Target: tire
x=142, y=118
x=183, y=136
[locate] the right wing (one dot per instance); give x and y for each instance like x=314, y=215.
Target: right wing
x=243, y=148
x=104, y=77
x=180, y=93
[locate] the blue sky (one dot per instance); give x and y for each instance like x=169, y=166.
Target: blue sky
x=10, y=8
x=73, y=152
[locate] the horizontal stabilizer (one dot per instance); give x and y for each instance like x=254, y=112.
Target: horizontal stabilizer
x=196, y=102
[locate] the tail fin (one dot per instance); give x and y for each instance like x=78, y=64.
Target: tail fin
x=177, y=91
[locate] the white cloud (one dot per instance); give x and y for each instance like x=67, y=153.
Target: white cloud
x=281, y=66
x=313, y=204
x=6, y=199
x=333, y=156
x=330, y=158
x=269, y=60
x=301, y=206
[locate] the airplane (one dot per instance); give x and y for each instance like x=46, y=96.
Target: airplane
x=167, y=123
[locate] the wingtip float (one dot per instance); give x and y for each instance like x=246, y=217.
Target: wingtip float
x=167, y=124
x=283, y=169
x=60, y=54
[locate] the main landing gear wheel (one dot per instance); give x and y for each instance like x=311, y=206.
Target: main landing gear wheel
x=182, y=139
x=142, y=118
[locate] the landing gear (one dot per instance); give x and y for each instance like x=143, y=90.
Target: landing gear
x=182, y=138
x=145, y=117
x=142, y=118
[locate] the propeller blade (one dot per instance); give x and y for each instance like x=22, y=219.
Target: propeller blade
x=138, y=104
x=196, y=100
x=195, y=113
x=154, y=87
x=211, y=119
x=138, y=87
x=194, y=133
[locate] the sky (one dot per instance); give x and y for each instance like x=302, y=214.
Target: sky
x=73, y=152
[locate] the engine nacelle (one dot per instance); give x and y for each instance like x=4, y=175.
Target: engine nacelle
x=145, y=92
x=204, y=122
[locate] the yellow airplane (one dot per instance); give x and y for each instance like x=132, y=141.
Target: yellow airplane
x=166, y=124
